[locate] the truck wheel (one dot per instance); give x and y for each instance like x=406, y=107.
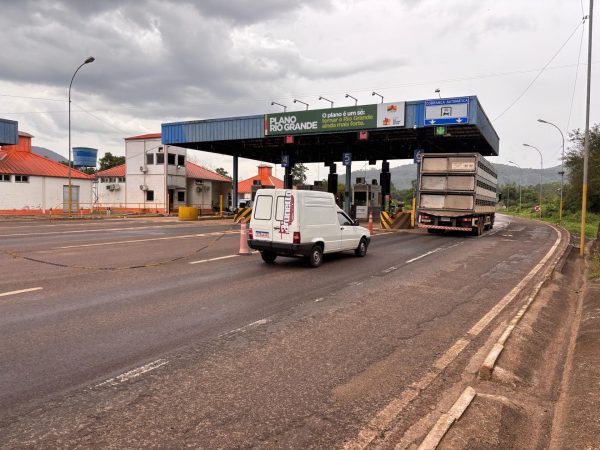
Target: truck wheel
x=316, y=256
x=268, y=257
x=361, y=250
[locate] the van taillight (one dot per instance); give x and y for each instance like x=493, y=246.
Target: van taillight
x=296, y=237
x=250, y=234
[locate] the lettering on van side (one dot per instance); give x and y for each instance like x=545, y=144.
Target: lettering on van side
x=288, y=213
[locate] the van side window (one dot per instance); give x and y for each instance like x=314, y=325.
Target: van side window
x=279, y=208
x=343, y=219
x=263, y=207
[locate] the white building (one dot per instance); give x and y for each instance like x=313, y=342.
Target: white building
x=32, y=184
x=158, y=178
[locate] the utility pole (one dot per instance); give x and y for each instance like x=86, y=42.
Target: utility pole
x=586, y=144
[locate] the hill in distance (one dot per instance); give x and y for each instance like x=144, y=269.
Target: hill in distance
x=402, y=176
x=46, y=153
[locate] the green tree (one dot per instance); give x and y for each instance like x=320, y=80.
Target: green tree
x=574, y=168
x=299, y=174
x=109, y=160
x=222, y=172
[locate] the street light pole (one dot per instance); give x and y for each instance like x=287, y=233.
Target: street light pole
x=91, y=59
x=586, y=142
x=541, y=170
x=520, y=181
x=562, y=167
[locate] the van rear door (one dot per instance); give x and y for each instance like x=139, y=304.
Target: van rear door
x=286, y=220
x=263, y=215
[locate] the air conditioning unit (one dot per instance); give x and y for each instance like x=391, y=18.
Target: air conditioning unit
x=360, y=180
x=116, y=187
x=143, y=169
x=110, y=187
x=201, y=188
x=143, y=187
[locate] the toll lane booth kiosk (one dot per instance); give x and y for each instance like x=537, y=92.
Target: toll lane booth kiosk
x=366, y=197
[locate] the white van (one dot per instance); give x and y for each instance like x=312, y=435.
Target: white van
x=307, y=224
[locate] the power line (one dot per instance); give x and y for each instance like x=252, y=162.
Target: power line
x=576, y=76
x=520, y=96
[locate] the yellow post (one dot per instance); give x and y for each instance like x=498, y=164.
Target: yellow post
x=168, y=208
x=413, y=212
x=221, y=205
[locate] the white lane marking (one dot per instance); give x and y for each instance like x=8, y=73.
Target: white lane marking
x=218, y=258
x=382, y=421
x=320, y=299
x=245, y=328
x=134, y=373
x=21, y=291
x=431, y=252
x=131, y=241
x=45, y=233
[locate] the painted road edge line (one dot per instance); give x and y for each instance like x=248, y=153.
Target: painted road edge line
x=487, y=367
x=218, y=258
x=441, y=427
x=134, y=373
x=20, y=291
x=378, y=424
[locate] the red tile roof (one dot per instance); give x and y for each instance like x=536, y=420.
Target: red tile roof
x=144, y=136
x=265, y=177
x=25, y=163
x=117, y=171
x=202, y=173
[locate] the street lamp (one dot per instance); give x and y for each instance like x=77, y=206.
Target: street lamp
x=279, y=104
x=353, y=98
x=326, y=99
x=520, y=180
x=91, y=59
x=541, y=169
x=300, y=101
x=562, y=167
x=378, y=95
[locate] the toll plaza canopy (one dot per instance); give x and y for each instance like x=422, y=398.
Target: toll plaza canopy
x=9, y=132
x=385, y=131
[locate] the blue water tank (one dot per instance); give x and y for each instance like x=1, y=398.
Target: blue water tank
x=85, y=157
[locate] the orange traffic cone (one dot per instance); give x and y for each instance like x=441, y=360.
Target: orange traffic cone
x=244, y=250
x=371, y=223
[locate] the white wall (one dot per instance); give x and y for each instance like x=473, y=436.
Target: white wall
x=152, y=176
x=113, y=197
x=41, y=193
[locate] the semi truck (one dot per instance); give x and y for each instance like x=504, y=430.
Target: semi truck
x=457, y=192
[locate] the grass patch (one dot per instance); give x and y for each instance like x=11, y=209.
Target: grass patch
x=571, y=221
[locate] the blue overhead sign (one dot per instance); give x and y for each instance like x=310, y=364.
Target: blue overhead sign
x=447, y=111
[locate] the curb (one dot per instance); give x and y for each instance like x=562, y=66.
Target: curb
x=487, y=368
x=441, y=427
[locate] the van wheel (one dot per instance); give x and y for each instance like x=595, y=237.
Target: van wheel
x=316, y=256
x=361, y=250
x=268, y=257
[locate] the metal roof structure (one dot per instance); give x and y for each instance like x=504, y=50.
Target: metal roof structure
x=394, y=131
x=9, y=134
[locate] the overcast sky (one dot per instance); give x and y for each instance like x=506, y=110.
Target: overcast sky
x=164, y=61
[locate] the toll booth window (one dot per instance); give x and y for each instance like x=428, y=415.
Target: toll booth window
x=160, y=158
x=149, y=196
x=360, y=198
x=181, y=196
x=263, y=207
x=343, y=219
x=181, y=160
x=149, y=158
x=171, y=159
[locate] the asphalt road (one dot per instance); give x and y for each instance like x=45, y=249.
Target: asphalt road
x=156, y=333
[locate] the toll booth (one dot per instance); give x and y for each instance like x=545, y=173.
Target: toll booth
x=366, y=197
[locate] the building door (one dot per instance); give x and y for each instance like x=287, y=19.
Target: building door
x=74, y=198
x=171, y=194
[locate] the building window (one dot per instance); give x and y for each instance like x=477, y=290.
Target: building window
x=149, y=196
x=181, y=196
x=160, y=158
x=181, y=160
x=121, y=179
x=21, y=178
x=4, y=177
x=149, y=158
x=171, y=159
